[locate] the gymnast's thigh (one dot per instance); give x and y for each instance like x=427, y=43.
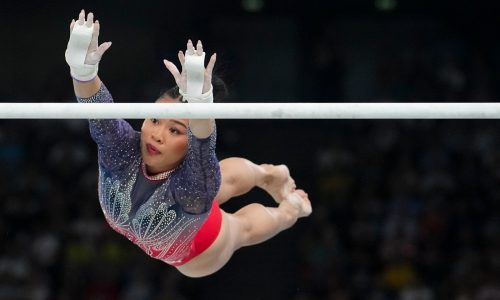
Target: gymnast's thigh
x=217, y=255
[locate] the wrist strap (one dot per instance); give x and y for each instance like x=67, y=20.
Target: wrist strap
x=207, y=97
x=195, y=71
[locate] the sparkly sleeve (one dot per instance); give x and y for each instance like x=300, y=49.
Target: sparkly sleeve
x=198, y=179
x=117, y=142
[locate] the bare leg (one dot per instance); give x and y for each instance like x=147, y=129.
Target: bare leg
x=250, y=225
x=240, y=175
x=256, y=223
x=253, y=223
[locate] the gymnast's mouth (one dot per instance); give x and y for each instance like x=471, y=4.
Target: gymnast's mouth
x=152, y=150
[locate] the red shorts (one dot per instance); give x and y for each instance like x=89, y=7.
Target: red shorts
x=207, y=234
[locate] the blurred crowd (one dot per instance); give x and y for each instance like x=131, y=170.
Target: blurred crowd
x=404, y=210
x=409, y=210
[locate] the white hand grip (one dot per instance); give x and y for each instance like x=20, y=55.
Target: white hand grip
x=78, y=45
x=195, y=70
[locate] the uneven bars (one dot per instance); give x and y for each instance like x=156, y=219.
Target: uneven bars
x=250, y=110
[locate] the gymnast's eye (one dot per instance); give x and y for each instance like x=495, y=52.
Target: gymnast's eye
x=155, y=121
x=174, y=130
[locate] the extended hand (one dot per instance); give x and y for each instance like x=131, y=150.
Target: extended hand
x=192, y=53
x=83, y=53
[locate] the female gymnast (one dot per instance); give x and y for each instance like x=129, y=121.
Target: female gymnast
x=162, y=187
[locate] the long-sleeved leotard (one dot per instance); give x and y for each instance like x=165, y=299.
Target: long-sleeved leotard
x=164, y=222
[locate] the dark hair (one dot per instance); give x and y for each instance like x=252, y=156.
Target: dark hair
x=220, y=90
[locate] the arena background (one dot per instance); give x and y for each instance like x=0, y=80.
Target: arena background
x=402, y=209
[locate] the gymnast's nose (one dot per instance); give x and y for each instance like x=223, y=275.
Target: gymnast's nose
x=157, y=136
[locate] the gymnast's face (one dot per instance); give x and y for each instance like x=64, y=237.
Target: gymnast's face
x=164, y=142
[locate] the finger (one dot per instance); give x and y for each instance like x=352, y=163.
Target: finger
x=182, y=58
x=199, y=48
x=72, y=25
x=95, y=36
x=190, y=48
x=103, y=48
x=90, y=20
x=172, y=68
x=81, y=17
x=211, y=64
x=97, y=27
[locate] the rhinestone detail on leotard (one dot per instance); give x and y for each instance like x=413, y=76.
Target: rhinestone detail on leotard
x=165, y=224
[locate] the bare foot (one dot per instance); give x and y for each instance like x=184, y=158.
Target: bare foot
x=277, y=182
x=300, y=200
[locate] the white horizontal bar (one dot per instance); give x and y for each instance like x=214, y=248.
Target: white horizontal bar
x=250, y=110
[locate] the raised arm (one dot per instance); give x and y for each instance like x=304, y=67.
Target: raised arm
x=195, y=83
x=83, y=55
x=115, y=138
x=200, y=173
